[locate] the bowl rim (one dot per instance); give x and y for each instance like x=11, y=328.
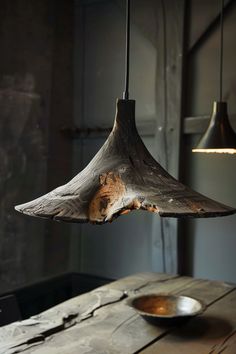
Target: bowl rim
x=130, y=303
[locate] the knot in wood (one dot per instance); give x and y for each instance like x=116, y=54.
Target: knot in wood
x=108, y=198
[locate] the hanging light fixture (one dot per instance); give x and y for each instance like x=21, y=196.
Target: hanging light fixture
x=122, y=177
x=219, y=136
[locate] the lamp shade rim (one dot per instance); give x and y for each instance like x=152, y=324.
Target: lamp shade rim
x=219, y=134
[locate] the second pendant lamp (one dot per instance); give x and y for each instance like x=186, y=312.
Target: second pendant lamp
x=122, y=177
x=219, y=136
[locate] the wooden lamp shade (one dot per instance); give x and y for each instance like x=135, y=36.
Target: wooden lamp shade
x=122, y=176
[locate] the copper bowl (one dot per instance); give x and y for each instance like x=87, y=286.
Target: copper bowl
x=166, y=308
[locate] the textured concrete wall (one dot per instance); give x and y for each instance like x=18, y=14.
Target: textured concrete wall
x=25, y=84
x=35, y=94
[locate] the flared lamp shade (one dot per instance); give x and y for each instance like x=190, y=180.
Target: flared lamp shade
x=122, y=177
x=219, y=136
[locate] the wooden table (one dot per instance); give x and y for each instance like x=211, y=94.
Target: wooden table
x=101, y=322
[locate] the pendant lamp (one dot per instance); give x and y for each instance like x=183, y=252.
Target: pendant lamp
x=122, y=177
x=219, y=136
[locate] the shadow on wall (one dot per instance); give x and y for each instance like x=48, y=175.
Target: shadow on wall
x=22, y=172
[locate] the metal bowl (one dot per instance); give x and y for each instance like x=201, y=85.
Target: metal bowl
x=168, y=308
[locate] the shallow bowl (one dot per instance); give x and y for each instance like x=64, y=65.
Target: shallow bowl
x=165, y=307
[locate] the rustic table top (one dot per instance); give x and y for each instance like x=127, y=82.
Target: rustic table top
x=101, y=322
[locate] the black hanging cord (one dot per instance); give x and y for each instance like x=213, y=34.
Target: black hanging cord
x=221, y=47
x=126, y=92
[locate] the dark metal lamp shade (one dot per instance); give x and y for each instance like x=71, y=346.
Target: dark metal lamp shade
x=219, y=136
x=122, y=176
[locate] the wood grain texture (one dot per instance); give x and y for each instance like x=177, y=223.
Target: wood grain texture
x=102, y=322
x=122, y=176
x=74, y=310
x=170, y=39
x=213, y=332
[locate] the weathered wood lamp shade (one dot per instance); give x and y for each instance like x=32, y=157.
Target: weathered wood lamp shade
x=122, y=177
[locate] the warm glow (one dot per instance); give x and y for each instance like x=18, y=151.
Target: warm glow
x=218, y=151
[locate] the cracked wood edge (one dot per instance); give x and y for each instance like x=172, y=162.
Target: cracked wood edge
x=105, y=331
x=72, y=311
x=111, y=325
x=41, y=326
x=213, y=332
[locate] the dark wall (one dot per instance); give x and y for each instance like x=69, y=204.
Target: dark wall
x=33, y=94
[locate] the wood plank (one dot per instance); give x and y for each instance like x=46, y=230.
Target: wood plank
x=146, y=127
x=206, y=290
x=112, y=327
x=140, y=280
x=228, y=345
x=169, y=97
x=52, y=321
x=213, y=332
